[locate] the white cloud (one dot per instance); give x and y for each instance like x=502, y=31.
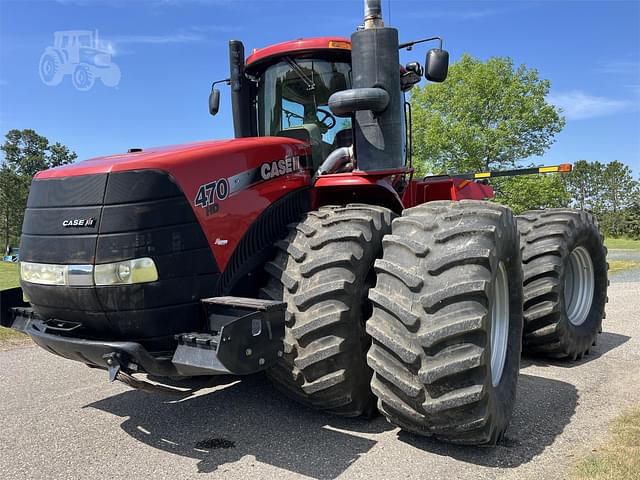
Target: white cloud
x=465, y=13
x=152, y=3
x=620, y=67
x=188, y=37
x=118, y=44
x=578, y=105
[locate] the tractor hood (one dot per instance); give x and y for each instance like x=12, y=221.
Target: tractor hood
x=180, y=160
x=250, y=174
x=187, y=208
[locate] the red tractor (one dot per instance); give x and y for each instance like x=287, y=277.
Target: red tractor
x=304, y=247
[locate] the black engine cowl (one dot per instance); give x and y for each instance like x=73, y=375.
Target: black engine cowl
x=111, y=217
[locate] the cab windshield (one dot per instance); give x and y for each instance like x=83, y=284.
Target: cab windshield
x=293, y=97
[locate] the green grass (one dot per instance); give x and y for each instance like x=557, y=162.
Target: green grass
x=9, y=278
x=619, y=458
x=622, y=244
x=616, y=266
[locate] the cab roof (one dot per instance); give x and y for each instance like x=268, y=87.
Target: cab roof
x=260, y=56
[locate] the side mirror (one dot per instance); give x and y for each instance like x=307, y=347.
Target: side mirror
x=436, y=65
x=214, y=101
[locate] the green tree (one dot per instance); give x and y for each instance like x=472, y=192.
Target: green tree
x=531, y=192
x=25, y=154
x=619, y=193
x=631, y=222
x=608, y=190
x=13, y=200
x=485, y=115
x=59, y=155
x=584, y=184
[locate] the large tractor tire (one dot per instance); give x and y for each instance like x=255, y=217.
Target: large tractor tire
x=447, y=321
x=565, y=281
x=323, y=271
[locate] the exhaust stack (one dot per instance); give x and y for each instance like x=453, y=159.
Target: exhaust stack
x=375, y=98
x=373, y=14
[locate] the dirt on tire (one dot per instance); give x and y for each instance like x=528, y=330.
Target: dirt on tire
x=432, y=321
x=548, y=238
x=323, y=271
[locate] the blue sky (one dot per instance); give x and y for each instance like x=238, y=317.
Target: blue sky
x=169, y=51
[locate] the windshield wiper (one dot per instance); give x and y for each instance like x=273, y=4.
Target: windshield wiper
x=300, y=72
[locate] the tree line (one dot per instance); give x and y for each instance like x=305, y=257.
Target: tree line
x=608, y=190
x=25, y=153
x=488, y=116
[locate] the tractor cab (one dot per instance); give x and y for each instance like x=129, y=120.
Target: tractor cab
x=293, y=101
x=283, y=91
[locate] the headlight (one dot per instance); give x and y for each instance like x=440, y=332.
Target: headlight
x=139, y=270
x=43, y=273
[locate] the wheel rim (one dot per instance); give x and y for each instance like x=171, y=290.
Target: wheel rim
x=47, y=69
x=499, y=324
x=579, y=285
x=81, y=77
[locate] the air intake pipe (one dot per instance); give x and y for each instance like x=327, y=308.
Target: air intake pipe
x=240, y=91
x=375, y=98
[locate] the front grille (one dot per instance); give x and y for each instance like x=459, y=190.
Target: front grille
x=137, y=214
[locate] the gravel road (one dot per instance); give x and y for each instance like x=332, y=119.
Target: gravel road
x=631, y=275
x=63, y=420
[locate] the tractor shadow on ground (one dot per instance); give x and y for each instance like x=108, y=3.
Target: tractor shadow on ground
x=245, y=417
x=606, y=342
x=544, y=407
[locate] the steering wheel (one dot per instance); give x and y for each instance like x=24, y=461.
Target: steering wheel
x=327, y=120
x=291, y=115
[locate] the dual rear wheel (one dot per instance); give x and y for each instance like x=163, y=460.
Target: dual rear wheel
x=425, y=316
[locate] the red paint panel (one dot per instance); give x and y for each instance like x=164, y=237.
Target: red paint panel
x=292, y=46
x=421, y=191
x=472, y=190
x=370, y=188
